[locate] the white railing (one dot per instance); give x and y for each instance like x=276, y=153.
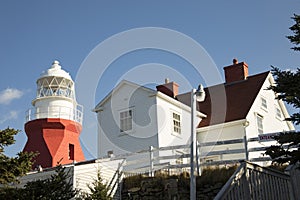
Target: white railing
x=63, y=112
x=152, y=159
x=251, y=181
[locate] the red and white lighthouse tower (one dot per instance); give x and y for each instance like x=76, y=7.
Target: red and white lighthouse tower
x=53, y=125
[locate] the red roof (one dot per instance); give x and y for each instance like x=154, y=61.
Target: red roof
x=229, y=101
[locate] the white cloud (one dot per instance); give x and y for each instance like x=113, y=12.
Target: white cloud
x=9, y=94
x=11, y=115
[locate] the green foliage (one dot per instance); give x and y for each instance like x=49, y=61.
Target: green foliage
x=287, y=87
x=7, y=138
x=10, y=193
x=288, y=90
x=12, y=168
x=288, y=150
x=58, y=186
x=98, y=190
x=295, y=39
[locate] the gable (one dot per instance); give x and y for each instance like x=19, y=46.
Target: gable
x=125, y=87
x=271, y=109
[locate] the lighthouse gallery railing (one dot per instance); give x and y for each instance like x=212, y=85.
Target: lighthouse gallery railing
x=63, y=112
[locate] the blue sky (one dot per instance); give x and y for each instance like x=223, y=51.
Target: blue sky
x=34, y=33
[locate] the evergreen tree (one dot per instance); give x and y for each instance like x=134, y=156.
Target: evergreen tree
x=98, y=190
x=295, y=39
x=287, y=89
x=58, y=186
x=12, y=168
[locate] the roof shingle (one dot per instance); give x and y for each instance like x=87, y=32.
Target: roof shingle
x=228, y=101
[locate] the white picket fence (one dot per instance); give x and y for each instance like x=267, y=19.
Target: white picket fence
x=167, y=158
x=260, y=180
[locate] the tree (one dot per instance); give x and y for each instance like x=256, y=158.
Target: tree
x=287, y=89
x=58, y=186
x=12, y=168
x=295, y=39
x=98, y=190
x=288, y=150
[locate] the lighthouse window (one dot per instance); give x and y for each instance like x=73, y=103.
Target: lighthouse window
x=71, y=151
x=126, y=121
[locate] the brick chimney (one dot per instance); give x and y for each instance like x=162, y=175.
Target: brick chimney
x=236, y=72
x=169, y=88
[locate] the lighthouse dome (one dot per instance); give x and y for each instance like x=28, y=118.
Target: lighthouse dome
x=55, y=70
x=55, y=82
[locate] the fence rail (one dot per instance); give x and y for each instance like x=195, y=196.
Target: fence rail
x=161, y=158
x=250, y=181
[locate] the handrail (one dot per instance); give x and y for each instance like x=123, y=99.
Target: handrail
x=237, y=174
x=63, y=112
x=171, y=155
x=114, y=176
x=242, y=181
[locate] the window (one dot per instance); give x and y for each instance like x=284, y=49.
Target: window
x=264, y=103
x=71, y=151
x=260, y=127
x=126, y=121
x=278, y=113
x=176, y=123
x=210, y=159
x=179, y=161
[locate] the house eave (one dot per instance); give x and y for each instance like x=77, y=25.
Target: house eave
x=222, y=125
x=178, y=103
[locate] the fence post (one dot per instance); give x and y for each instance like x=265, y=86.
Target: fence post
x=151, y=161
x=198, y=159
x=246, y=148
x=119, y=180
x=245, y=125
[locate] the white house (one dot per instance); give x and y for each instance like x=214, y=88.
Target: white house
x=133, y=117
x=250, y=111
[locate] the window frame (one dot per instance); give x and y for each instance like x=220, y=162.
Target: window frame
x=278, y=111
x=259, y=123
x=176, y=123
x=71, y=151
x=126, y=119
x=263, y=103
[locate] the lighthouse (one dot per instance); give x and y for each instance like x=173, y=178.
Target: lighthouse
x=54, y=124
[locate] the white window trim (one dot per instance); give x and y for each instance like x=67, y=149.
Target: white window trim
x=261, y=103
x=132, y=121
x=172, y=123
x=276, y=109
x=256, y=118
